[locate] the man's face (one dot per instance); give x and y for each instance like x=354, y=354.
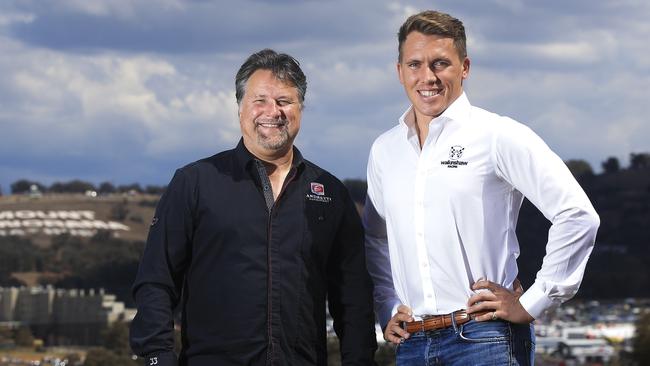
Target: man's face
x=432, y=73
x=269, y=114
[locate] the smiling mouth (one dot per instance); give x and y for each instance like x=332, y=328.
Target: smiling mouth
x=272, y=124
x=429, y=93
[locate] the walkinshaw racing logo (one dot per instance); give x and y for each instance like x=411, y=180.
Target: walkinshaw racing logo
x=317, y=193
x=455, y=153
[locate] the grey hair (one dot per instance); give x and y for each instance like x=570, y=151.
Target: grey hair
x=283, y=67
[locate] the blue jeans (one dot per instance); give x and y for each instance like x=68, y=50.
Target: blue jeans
x=473, y=343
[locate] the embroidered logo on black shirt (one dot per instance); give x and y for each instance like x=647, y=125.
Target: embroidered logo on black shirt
x=318, y=193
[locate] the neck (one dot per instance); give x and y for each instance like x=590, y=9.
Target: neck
x=277, y=164
x=421, y=127
x=277, y=167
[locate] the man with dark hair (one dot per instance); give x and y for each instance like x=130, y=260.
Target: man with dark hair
x=444, y=191
x=251, y=241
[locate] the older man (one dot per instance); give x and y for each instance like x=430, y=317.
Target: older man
x=444, y=191
x=251, y=241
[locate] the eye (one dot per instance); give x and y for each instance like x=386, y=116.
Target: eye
x=439, y=64
x=413, y=65
x=283, y=102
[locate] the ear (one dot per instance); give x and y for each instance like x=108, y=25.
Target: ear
x=466, y=63
x=399, y=72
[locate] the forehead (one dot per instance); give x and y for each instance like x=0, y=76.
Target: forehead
x=263, y=82
x=419, y=45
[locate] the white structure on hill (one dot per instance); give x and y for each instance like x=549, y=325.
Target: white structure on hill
x=62, y=316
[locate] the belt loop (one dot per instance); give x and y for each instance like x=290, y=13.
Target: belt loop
x=453, y=321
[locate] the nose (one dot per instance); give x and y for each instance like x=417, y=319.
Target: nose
x=273, y=110
x=430, y=75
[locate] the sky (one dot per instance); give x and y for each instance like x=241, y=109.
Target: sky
x=127, y=91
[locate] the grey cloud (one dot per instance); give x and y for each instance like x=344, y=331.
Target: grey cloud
x=197, y=27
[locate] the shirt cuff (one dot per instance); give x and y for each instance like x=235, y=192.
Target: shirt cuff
x=386, y=313
x=535, y=301
x=161, y=359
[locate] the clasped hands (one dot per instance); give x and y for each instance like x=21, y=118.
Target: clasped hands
x=494, y=300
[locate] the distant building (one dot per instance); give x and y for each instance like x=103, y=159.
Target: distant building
x=8, y=297
x=62, y=317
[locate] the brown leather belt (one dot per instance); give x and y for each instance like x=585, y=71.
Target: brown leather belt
x=435, y=322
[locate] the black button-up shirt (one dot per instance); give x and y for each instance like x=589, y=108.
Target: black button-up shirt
x=253, y=274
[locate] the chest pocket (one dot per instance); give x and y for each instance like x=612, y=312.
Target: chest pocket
x=320, y=231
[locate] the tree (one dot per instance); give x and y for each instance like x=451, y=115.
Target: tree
x=639, y=161
x=24, y=337
x=73, y=186
x=107, y=188
x=128, y=188
x=579, y=168
x=116, y=339
x=611, y=165
x=641, y=341
x=24, y=186
x=158, y=190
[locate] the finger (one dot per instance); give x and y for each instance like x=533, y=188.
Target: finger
x=395, y=334
x=517, y=287
x=405, y=313
x=484, y=284
x=403, y=309
x=489, y=316
x=401, y=317
x=482, y=296
x=485, y=306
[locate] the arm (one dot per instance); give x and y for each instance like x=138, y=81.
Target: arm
x=159, y=281
x=350, y=291
x=529, y=165
x=376, y=243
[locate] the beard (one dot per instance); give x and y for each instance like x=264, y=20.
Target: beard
x=277, y=140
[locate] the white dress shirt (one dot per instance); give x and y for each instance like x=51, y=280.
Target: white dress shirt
x=440, y=217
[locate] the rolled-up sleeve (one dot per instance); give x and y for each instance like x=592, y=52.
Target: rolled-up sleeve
x=529, y=165
x=158, y=284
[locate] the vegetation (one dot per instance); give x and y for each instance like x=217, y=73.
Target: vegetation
x=101, y=262
x=617, y=267
x=78, y=186
x=641, y=340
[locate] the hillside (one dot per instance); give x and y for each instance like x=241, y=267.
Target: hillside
x=72, y=240
x=42, y=217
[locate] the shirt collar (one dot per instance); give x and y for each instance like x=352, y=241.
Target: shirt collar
x=245, y=157
x=457, y=111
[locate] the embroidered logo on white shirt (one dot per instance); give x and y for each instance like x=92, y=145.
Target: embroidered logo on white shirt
x=455, y=153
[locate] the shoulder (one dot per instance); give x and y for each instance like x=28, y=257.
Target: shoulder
x=203, y=171
x=391, y=136
x=387, y=143
x=222, y=161
x=501, y=127
x=316, y=173
x=332, y=186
